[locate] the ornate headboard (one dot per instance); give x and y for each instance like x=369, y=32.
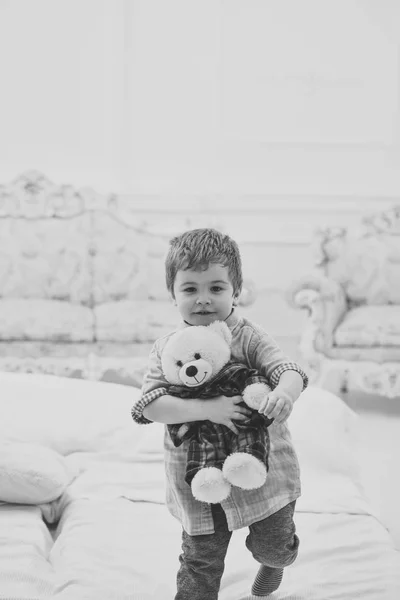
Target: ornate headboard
x=81, y=280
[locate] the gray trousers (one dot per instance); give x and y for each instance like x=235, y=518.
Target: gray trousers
x=272, y=542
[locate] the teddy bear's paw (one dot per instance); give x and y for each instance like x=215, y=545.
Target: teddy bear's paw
x=209, y=485
x=255, y=393
x=244, y=471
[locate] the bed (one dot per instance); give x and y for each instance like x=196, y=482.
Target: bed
x=82, y=513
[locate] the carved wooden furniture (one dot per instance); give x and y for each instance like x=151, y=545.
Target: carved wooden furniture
x=82, y=289
x=353, y=304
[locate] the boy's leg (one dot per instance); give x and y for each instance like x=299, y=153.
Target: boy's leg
x=202, y=560
x=273, y=543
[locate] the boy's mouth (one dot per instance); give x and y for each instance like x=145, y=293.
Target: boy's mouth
x=204, y=312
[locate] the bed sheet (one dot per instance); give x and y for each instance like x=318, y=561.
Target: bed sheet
x=342, y=556
x=345, y=551
x=25, y=545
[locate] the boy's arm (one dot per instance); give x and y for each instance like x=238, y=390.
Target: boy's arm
x=171, y=409
x=154, y=385
x=292, y=383
x=287, y=378
x=279, y=403
x=265, y=355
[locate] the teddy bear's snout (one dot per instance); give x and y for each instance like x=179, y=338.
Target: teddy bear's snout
x=191, y=371
x=195, y=373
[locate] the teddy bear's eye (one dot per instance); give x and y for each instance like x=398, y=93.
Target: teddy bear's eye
x=197, y=356
x=179, y=363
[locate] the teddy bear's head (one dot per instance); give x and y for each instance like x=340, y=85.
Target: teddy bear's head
x=196, y=354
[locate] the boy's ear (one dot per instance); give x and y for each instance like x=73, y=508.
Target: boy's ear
x=235, y=301
x=172, y=298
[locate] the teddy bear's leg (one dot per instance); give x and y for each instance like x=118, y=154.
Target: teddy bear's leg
x=209, y=485
x=246, y=466
x=244, y=471
x=205, y=456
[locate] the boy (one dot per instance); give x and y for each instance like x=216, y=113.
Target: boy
x=204, y=278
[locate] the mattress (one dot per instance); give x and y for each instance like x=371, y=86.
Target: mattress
x=126, y=550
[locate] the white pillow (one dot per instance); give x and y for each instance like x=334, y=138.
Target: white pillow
x=31, y=474
x=67, y=415
x=324, y=432
x=325, y=435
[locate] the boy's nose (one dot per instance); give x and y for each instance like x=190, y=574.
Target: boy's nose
x=203, y=300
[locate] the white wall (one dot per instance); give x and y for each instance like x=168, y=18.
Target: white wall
x=62, y=81
x=203, y=96
x=264, y=96
x=265, y=118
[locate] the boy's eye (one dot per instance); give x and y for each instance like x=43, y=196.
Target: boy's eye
x=197, y=356
x=216, y=288
x=179, y=363
x=189, y=290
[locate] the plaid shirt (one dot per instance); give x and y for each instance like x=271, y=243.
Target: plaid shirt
x=251, y=346
x=210, y=443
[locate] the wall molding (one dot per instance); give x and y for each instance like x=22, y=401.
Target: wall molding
x=251, y=203
x=254, y=220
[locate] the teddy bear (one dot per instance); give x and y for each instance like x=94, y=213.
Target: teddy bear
x=196, y=362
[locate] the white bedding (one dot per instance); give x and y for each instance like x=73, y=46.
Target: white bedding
x=25, y=545
x=114, y=538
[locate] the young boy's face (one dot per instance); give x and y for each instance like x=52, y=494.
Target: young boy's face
x=204, y=296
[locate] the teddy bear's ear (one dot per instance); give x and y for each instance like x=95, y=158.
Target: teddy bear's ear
x=222, y=329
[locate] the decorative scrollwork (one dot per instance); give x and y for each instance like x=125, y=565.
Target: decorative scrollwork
x=387, y=221
x=91, y=367
x=72, y=258
x=343, y=377
x=32, y=195
x=381, y=380
x=358, y=266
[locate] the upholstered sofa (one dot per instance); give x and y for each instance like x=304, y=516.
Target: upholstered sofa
x=82, y=288
x=352, y=333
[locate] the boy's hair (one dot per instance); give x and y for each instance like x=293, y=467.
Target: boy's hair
x=196, y=249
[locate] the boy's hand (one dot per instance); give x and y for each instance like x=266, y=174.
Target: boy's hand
x=277, y=405
x=225, y=411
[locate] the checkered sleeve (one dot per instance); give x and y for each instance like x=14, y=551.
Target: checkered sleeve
x=154, y=383
x=139, y=406
x=287, y=366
